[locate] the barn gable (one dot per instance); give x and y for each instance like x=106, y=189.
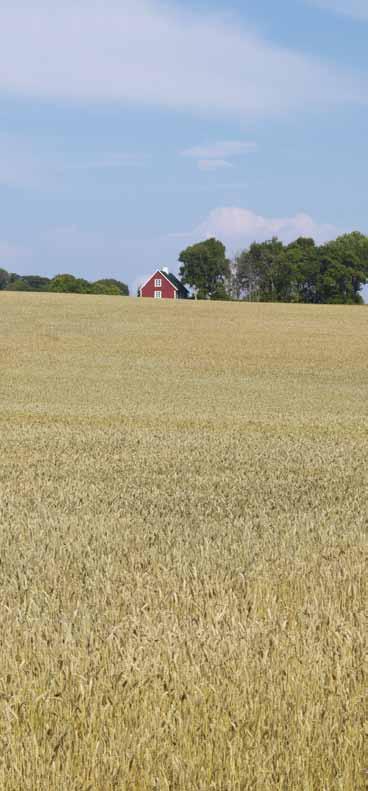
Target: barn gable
x=162, y=284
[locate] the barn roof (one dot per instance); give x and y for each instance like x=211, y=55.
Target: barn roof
x=174, y=280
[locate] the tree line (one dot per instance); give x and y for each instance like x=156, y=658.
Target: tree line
x=67, y=284
x=271, y=271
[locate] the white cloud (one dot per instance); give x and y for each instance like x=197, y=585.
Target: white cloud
x=238, y=226
x=145, y=52
x=216, y=155
x=358, y=9
x=213, y=164
x=226, y=148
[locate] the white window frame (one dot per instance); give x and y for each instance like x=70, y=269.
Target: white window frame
x=158, y=283
x=158, y=294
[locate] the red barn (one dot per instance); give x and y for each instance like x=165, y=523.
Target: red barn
x=163, y=285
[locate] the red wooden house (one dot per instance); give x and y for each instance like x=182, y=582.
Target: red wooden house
x=163, y=285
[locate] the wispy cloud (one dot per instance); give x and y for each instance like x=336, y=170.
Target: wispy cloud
x=26, y=164
x=239, y=226
x=109, y=162
x=357, y=9
x=217, y=155
x=108, y=51
x=213, y=164
x=223, y=149
x=195, y=188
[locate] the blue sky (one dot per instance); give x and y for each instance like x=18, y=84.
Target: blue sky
x=132, y=128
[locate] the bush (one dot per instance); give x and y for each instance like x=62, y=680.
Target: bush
x=18, y=285
x=102, y=288
x=69, y=284
x=36, y=282
x=110, y=286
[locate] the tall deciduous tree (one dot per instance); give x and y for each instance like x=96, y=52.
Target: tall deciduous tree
x=302, y=256
x=206, y=268
x=344, y=268
x=264, y=272
x=303, y=272
x=246, y=275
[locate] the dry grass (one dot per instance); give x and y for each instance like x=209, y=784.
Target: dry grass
x=182, y=545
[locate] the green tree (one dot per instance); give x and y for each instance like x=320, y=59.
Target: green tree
x=246, y=276
x=343, y=267
x=205, y=268
x=353, y=244
x=4, y=279
x=37, y=282
x=265, y=273
x=269, y=255
x=302, y=272
x=303, y=257
x=109, y=286
x=69, y=284
x=220, y=292
x=104, y=288
x=18, y=285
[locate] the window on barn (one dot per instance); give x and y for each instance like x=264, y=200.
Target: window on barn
x=158, y=294
x=158, y=283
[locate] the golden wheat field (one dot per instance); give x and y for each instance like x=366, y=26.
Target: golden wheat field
x=183, y=557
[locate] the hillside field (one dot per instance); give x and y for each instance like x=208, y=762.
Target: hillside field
x=183, y=545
